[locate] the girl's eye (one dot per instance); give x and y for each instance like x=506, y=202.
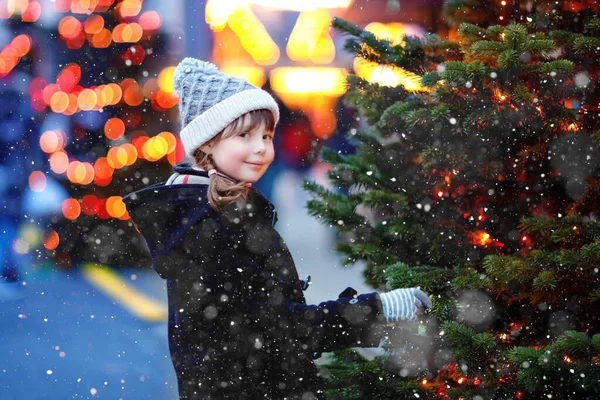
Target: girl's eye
x=268, y=137
x=244, y=134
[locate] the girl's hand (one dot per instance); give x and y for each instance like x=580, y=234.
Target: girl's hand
x=404, y=303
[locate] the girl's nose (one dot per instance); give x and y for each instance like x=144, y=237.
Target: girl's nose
x=259, y=146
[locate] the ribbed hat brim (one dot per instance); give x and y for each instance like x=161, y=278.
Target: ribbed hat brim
x=212, y=121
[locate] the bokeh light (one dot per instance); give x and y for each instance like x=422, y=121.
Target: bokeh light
x=37, y=181
x=115, y=207
x=117, y=157
x=132, y=153
x=69, y=77
x=51, y=239
x=90, y=205
x=71, y=208
x=51, y=141
x=59, y=102
x=87, y=99
x=165, y=79
x=89, y=174
x=150, y=21
x=69, y=27
x=170, y=139
x=129, y=8
x=76, y=172
x=102, y=39
x=59, y=162
x=132, y=95
x=155, y=148
x=32, y=13
x=94, y=24
x=114, y=128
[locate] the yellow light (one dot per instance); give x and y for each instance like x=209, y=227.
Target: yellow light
x=313, y=90
x=165, y=79
x=155, y=148
x=302, y=5
x=310, y=39
x=329, y=81
x=385, y=75
x=16, y=6
x=254, y=75
x=254, y=37
x=218, y=11
x=485, y=238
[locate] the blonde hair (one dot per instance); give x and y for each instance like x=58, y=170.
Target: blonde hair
x=222, y=190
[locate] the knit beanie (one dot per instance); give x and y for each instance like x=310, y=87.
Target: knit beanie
x=209, y=100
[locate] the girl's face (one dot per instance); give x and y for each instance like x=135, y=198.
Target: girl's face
x=245, y=156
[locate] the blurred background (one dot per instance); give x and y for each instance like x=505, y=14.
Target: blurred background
x=88, y=115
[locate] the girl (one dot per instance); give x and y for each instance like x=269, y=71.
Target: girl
x=239, y=326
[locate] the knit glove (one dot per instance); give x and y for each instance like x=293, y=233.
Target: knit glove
x=403, y=303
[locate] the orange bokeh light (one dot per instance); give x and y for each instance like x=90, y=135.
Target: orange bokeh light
x=101, y=96
x=150, y=89
x=72, y=107
x=117, y=157
x=102, y=39
x=94, y=24
x=71, y=208
x=132, y=95
x=76, y=172
x=115, y=207
x=69, y=27
x=59, y=102
x=59, y=162
x=132, y=153
x=114, y=128
x=103, y=169
x=37, y=181
x=89, y=174
x=166, y=100
x=129, y=8
x=51, y=141
x=51, y=240
x=87, y=99
x=49, y=91
x=22, y=44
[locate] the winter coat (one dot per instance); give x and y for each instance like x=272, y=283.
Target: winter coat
x=239, y=326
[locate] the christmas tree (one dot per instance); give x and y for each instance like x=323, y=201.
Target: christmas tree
x=103, y=88
x=481, y=186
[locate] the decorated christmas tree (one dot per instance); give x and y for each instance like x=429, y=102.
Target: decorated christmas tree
x=102, y=89
x=481, y=186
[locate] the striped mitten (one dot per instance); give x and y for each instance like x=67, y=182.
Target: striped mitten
x=403, y=303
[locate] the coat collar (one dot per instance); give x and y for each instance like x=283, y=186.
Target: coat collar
x=164, y=212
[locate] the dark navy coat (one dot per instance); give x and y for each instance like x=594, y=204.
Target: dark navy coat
x=239, y=326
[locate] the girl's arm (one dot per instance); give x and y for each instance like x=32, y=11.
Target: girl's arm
x=267, y=293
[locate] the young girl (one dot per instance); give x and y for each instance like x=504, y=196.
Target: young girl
x=239, y=327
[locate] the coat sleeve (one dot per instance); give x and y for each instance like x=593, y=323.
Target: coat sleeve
x=273, y=304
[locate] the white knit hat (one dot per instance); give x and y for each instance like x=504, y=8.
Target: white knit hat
x=209, y=100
